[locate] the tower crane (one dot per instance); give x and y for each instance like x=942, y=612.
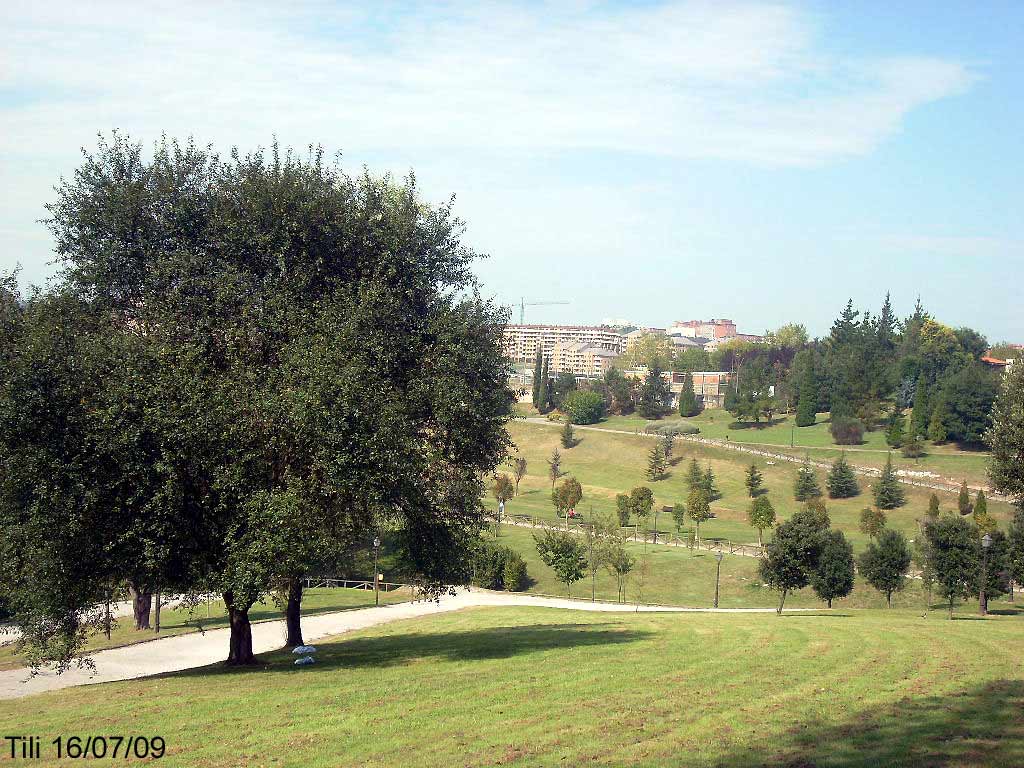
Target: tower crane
x=523, y=304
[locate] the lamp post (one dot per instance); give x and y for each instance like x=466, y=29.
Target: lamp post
x=986, y=542
x=376, y=575
x=718, y=574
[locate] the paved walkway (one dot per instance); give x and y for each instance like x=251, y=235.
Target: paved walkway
x=172, y=654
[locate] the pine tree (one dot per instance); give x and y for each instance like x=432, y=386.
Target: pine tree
x=568, y=435
x=807, y=405
x=842, y=483
x=933, y=507
x=707, y=484
x=754, y=480
x=538, y=371
x=894, y=434
x=921, y=413
x=888, y=492
x=964, y=500
x=668, y=443
x=694, y=475
x=687, y=397
x=981, y=516
x=655, y=463
x=937, y=431
x=806, y=486
x=623, y=508
x=545, y=389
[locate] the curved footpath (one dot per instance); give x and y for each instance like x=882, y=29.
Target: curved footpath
x=172, y=654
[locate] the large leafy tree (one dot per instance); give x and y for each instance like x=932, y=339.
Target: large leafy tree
x=954, y=557
x=791, y=557
x=761, y=515
x=564, y=553
x=834, y=575
x=967, y=399
x=885, y=562
x=1006, y=436
x=324, y=366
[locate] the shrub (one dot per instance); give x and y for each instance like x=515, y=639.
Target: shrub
x=668, y=427
x=491, y=568
x=847, y=431
x=583, y=407
x=515, y=576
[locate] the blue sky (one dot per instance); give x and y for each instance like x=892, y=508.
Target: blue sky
x=647, y=161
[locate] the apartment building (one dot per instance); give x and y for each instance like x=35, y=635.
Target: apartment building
x=581, y=359
x=709, y=386
x=715, y=328
x=522, y=341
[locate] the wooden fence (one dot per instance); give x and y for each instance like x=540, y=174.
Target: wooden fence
x=665, y=538
x=330, y=582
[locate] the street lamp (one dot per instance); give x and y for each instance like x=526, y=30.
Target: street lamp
x=718, y=574
x=376, y=575
x=986, y=542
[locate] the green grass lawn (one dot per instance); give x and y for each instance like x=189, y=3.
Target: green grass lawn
x=948, y=461
x=543, y=687
x=175, y=621
x=607, y=463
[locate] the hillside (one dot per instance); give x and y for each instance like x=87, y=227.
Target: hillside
x=533, y=686
x=607, y=463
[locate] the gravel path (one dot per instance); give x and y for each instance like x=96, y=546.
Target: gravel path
x=172, y=654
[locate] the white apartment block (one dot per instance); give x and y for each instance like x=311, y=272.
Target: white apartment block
x=581, y=359
x=521, y=341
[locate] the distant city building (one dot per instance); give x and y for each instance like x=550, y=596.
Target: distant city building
x=581, y=359
x=709, y=386
x=708, y=329
x=997, y=363
x=522, y=341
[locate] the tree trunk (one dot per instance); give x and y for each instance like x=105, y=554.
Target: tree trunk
x=888, y=599
x=830, y=602
x=951, y=607
x=240, y=645
x=293, y=613
x=156, y=613
x=782, y=601
x=142, y=604
x=760, y=542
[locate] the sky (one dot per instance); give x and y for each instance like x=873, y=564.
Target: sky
x=647, y=161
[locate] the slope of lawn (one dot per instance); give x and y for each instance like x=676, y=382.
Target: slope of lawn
x=176, y=621
x=529, y=687
x=949, y=461
x=607, y=463
x=684, y=577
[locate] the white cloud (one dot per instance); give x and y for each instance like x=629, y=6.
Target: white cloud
x=741, y=81
x=746, y=82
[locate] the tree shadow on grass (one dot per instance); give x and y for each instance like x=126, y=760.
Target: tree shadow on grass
x=464, y=645
x=983, y=725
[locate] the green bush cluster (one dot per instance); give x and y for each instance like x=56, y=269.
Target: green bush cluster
x=498, y=567
x=847, y=430
x=583, y=407
x=678, y=426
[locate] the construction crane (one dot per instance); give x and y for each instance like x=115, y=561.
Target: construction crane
x=523, y=304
